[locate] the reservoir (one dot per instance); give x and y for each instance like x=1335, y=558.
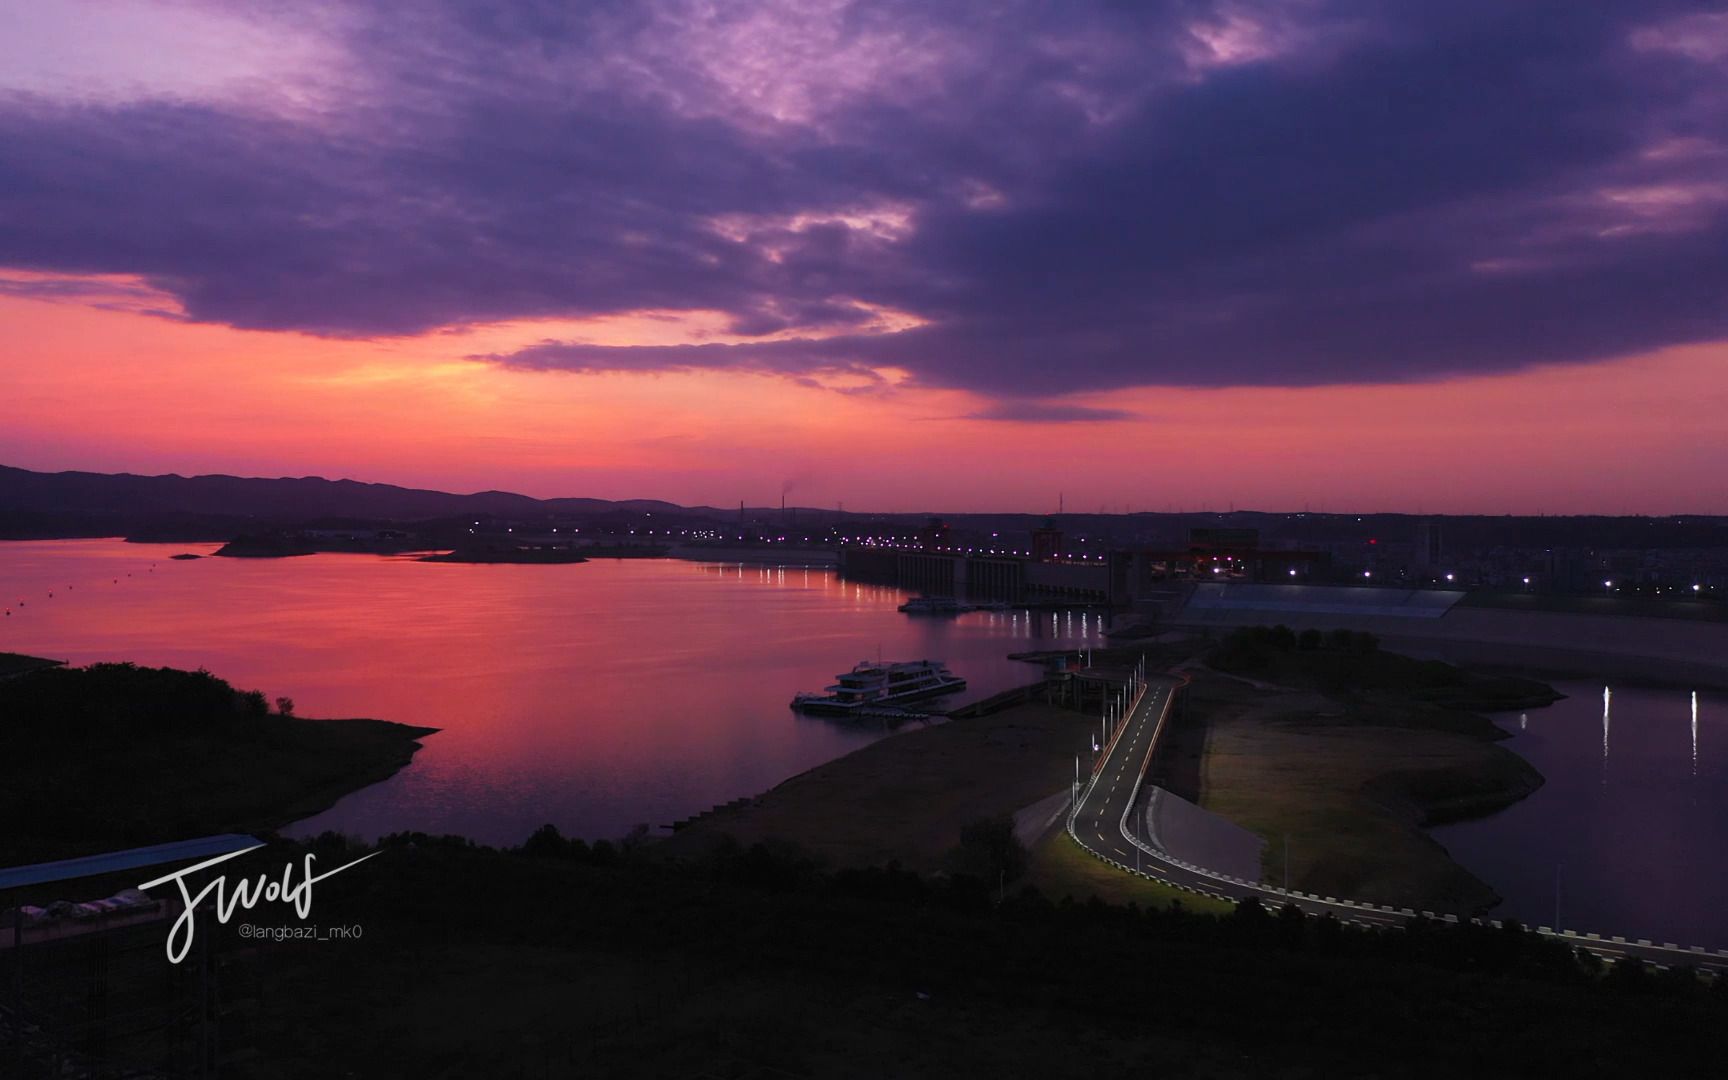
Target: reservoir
x=595, y=696
x=1630, y=827
x=603, y=695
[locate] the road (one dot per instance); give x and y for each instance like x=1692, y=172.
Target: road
x=1104, y=823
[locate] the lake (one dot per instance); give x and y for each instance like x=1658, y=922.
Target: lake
x=605, y=694
x=594, y=696
x=1632, y=823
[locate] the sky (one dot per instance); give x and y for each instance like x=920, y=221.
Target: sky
x=1462, y=256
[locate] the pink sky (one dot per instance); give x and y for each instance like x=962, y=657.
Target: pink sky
x=108, y=389
x=892, y=255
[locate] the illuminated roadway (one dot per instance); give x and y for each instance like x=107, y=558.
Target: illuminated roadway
x=1103, y=823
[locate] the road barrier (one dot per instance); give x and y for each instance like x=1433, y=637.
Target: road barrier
x=1259, y=890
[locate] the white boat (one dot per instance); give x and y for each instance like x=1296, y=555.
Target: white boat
x=872, y=683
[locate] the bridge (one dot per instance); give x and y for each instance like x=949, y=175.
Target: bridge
x=1102, y=820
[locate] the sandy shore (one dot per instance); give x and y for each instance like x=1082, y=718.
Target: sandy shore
x=1351, y=786
x=904, y=799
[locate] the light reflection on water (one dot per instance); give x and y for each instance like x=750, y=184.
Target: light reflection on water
x=595, y=696
x=1629, y=828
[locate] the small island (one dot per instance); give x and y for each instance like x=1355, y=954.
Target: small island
x=312, y=541
x=267, y=546
x=498, y=553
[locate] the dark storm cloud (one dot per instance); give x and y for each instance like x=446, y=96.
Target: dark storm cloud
x=1040, y=412
x=1064, y=198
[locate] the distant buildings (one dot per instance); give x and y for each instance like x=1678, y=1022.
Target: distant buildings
x=1047, y=542
x=1428, y=554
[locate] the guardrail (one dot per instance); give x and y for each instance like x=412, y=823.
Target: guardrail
x=1351, y=910
x=1098, y=766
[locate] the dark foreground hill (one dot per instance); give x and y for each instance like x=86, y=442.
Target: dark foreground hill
x=114, y=756
x=565, y=960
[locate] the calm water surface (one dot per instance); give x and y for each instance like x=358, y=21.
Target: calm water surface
x=594, y=696
x=1633, y=820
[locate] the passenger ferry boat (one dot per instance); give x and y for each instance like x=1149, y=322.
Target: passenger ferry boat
x=872, y=683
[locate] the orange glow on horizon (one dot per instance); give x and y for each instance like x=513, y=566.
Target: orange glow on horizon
x=114, y=389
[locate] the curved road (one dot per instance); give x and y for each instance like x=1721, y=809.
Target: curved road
x=1101, y=822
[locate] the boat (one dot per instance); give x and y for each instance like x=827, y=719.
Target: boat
x=934, y=605
x=873, y=684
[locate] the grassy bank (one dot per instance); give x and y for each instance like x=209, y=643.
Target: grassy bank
x=114, y=756
x=1060, y=867
x=1351, y=665
x=1351, y=784
x=906, y=798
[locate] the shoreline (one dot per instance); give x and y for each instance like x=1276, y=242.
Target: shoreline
x=113, y=756
x=1353, y=788
x=1357, y=785
x=324, y=798
x=904, y=800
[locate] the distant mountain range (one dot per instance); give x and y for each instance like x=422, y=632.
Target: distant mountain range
x=176, y=508
x=288, y=497
x=193, y=507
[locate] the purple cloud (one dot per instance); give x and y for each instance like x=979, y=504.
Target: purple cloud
x=1048, y=412
x=1065, y=198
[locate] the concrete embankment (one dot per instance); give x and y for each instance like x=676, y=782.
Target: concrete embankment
x=771, y=554
x=1197, y=835
x=1608, y=646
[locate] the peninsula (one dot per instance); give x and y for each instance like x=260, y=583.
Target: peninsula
x=114, y=755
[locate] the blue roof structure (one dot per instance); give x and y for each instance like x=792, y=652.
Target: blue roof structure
x=130, y=859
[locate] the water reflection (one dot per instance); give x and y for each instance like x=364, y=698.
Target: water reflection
x=1642, y=854
x=1607, y=700
x=594, y=696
